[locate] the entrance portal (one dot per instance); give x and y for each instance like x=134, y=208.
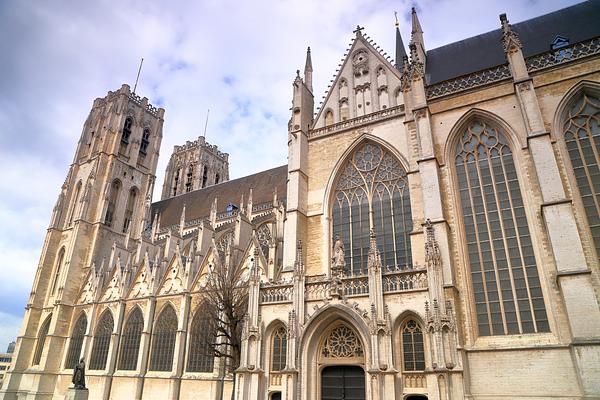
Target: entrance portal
x=343, y=382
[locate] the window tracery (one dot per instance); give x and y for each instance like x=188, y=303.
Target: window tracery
x=504, y=276
x=582, y=138
x=202, y=338
x=342, y=342
x=130, y=341
x=223, y=243
x=263, y=234
x=163, y=340
x=279, y=349
x=413, y=352
x=76, y=341
x=102, y=341
x=372, y=193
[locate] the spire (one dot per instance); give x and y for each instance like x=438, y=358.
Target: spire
x=400, y=51
x=417, y=35
x=416, y=25
x=308, y=70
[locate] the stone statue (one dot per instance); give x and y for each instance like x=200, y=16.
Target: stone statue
x=79, y=375
x=338, y=252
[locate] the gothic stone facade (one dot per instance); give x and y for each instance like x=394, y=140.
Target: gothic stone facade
x=435, y=234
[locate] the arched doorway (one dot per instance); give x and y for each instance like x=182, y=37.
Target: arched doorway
x=276, y=396
x=343, y=382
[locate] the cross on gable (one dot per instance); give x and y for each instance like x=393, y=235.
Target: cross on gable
x=358, y=30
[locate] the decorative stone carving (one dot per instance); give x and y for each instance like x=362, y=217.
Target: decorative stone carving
x=510, y=39
x=342, y=342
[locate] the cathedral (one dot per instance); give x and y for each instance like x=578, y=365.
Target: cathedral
x=435, y=234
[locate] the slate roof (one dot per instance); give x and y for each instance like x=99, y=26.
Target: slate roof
x=198, y=202
x=576, y=23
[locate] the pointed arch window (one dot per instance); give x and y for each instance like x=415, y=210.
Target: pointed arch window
x=201, y=347
x=130, y=341
x=163, y=340
x=413, y=351
x=504, y=275
x=372, y=193
x=127, y=127
x=129, y=209
x=41, y=340
x=279, y=348
x=190, y=179
x=101, y=345
x=217, y=177
x=74, y=203
x=204, y=176
x=582, y=138
x=76, y=342
x=115, y=189
x=57, y=269
x=176, y=181
x=145, y=142
x=263, y=234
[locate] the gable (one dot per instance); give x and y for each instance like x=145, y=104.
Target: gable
x=366, y=83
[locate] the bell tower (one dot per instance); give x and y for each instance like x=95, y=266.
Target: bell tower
x=100, y=214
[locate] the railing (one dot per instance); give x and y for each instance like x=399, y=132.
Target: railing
x=470, y=81
x=276, y=293
x=275, y=378
x=356, y=286
x=393, y=280
x=414, y=380
x=399, y=281
x=316, y=290
x=358, y=121
x=563, y=55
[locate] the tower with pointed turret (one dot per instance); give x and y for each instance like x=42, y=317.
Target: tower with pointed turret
x=437, y=215
x=100, y=214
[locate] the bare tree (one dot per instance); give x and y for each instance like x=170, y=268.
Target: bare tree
x=225, y=303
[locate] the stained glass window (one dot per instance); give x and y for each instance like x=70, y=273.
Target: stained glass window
x=201, y=341
x=278, y=358
x=163, y=340
x=102, y=341
x=372, y=193
x=130, y=341
x=76, y=342
x=506, y=286
x=582, y=137
x=413, y=352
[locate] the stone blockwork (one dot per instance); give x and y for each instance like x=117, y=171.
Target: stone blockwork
x=432, y=235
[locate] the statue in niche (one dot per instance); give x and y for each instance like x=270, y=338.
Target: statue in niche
x=338, y=253
x=79, y=375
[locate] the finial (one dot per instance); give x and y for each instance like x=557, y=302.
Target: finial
x=298, y=73
x=510, y=40
x=396, y=16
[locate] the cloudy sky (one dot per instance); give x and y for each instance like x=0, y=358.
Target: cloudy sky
x=237, y=58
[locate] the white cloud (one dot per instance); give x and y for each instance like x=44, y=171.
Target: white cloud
x=236, y=58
